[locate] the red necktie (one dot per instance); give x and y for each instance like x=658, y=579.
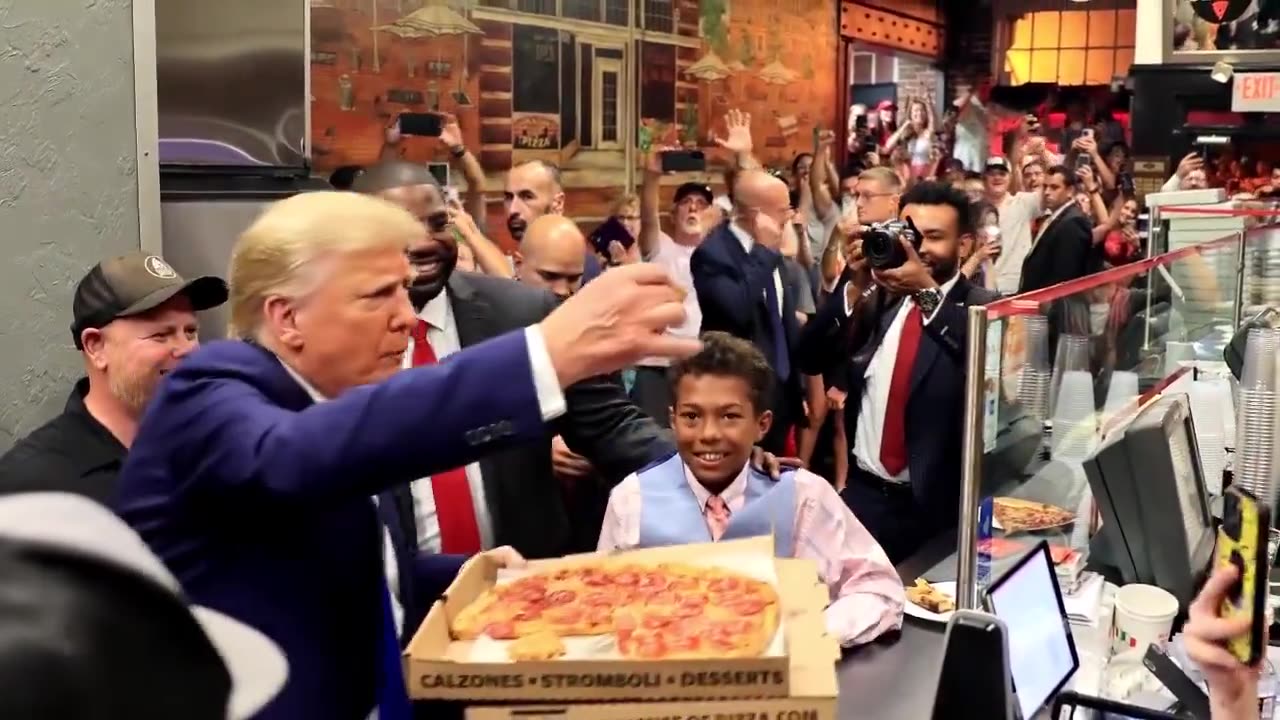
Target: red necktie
x=1036, y=225
x=455, y=513
x=893, y=443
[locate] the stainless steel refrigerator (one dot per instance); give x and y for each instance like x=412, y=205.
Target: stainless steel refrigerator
x=234, y=117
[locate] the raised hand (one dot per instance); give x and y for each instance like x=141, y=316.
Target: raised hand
x=451, y=133
x=614, y=321
x=1192, y=161
x=765, y=230
x=738, y=129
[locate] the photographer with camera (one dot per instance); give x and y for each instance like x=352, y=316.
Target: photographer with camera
x=897, y=324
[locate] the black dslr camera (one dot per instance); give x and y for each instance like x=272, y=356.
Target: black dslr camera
x=880, y=244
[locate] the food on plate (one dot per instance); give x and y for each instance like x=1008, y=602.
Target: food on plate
x=1017, y=515
x=1001, y=547
x=543, y=645
x=930, y=598
x=653, y=611
x=1063, y=555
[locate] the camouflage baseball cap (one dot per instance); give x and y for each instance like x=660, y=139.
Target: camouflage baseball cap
x=133, y=284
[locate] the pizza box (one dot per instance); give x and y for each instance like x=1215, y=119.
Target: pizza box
x=440, y=668
x=813, y=686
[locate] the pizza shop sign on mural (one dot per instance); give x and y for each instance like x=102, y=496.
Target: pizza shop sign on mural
x=1220, y=11
x=536, y=132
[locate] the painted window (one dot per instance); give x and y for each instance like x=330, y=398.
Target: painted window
x=1074, y=47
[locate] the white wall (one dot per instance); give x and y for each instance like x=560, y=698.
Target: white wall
x=1148, y=46
x=68, y=186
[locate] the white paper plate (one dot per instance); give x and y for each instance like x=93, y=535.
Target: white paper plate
x=946, y=588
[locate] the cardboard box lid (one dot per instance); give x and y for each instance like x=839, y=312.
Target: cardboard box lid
x=813, y=695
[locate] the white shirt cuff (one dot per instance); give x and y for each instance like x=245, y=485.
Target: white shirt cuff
x=545, y=382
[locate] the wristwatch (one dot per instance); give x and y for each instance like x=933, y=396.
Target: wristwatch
x=928, y=300
x=458, y=151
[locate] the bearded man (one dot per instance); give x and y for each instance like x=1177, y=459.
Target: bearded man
x=134, y=318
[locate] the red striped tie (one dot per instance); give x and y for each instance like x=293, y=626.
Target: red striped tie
x=893, y=443
x=455, y=513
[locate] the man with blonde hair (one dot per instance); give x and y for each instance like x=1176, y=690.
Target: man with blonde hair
x=252, y=472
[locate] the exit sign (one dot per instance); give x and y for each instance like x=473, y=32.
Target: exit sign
x=1255, y=92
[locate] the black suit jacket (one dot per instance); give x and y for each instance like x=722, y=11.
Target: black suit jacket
x=525, y=501
x=731, y=285
x=1063, y=252
x=935, y=405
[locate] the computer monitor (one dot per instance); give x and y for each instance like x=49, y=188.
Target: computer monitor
x=1042, y=653
x=1149, y=484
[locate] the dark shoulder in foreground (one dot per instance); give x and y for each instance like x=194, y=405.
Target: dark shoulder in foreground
x=518, y=301
x=48, y=460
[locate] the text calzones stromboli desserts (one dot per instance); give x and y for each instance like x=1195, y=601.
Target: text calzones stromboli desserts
x=658, y=611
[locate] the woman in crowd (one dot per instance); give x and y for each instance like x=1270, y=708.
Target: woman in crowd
x=626, y=210
x=917, y=135
x=1121, y=244
x=986, y=246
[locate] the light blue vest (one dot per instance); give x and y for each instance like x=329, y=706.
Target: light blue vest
x=670, y=513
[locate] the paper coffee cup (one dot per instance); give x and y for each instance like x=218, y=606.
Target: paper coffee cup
x=1144, y=616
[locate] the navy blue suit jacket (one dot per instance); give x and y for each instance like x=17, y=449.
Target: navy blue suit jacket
x=731, y=285
x=258, y=499
x=935, y=404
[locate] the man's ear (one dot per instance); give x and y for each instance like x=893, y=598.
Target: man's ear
x=280, y=318
x=94, y=341
x=557, y=203
x=763, y=423
x=966, y=246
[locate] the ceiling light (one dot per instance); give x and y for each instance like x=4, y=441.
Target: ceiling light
x=1222, y=71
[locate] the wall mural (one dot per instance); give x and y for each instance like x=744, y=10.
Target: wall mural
x=546, y=79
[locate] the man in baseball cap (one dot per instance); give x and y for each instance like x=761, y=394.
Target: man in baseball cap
x=94, y=627
x=133, y=319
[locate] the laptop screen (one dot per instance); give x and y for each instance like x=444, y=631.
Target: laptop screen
x=1042, y=654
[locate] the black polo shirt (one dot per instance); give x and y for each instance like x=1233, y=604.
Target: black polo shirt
x=71, y=453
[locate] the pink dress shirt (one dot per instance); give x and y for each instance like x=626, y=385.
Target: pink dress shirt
x=866, y=592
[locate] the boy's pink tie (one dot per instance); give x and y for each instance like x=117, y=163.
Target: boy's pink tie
x=717, y=516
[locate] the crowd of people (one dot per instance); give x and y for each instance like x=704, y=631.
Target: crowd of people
x=396, y=395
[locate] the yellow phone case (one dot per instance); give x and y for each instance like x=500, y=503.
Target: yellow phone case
x=1250, y=546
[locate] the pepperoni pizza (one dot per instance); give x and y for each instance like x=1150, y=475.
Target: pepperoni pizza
x=662, y=611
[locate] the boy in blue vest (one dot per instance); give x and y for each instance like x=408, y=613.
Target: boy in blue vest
x=709, y=491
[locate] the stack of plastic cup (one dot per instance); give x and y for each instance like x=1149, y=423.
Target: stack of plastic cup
x=1072, y=355
x=1035, y=377
x=1256, y=416
x=1209, y=413
x=1075, y=423
x=1121, y=393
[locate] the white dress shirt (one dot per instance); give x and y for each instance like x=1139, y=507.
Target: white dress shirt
x=442, y=333
x=1048, y=218
x=1017, y=213
x=551, y=405
x=674, y=258
x=749, y=242
x=875, y=390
